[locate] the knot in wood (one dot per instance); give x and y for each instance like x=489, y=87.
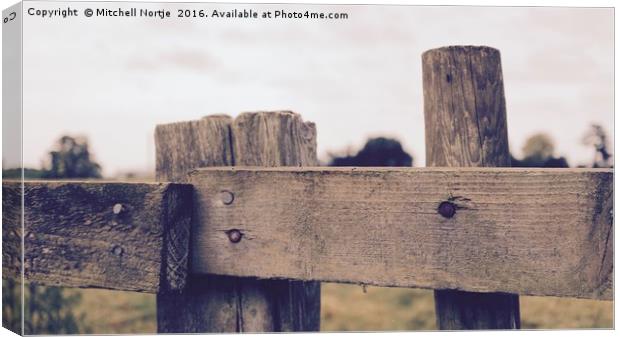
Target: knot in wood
x=446, y=209
x=234, y=235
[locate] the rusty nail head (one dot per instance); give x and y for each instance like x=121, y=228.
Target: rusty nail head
x=117, y=209
x=227, y=197
x=446, y=209
x=234, y=235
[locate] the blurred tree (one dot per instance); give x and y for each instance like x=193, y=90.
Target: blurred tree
x=539, y=146
x=378, y=151
x=597, y=137
x=47, y=310
x=538, y=152
x=71, y=159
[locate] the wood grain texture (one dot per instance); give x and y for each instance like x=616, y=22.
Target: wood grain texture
x=233, y=304
x=464, y=108
x=12, y=231
x=184, y=146
x=465, y=125
x=95, y=235
x=526, y=231
x=476, y=311
x=207, y=303
x=181, y=147
x=271, y=139
x=12, y=281
x=279, y=138
x=177, y=215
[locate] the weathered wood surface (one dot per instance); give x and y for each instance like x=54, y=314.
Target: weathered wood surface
x=184, y=146
x=207, y=304
x=462, y=310
x=11, y=230
x=464, y=108
x=274, y=139
x=527, y=231
x=91, y=234
x=465, y=125
x=213, y=303
x=12, y=281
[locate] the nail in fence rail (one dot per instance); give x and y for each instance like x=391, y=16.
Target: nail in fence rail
x=213, y=303
x=386, y=227
x=95, y=234
x=394, y=227
x=465, y=122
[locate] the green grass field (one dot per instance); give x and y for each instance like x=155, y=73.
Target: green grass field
x=348, y=308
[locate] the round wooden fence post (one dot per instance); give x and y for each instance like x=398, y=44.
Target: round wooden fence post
x=211, y=303
x=465, y=123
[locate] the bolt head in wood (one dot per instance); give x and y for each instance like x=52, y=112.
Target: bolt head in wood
x=446, y=209
x=117, y=208
x=234, y=235
x=227, y=197
x=117, y=250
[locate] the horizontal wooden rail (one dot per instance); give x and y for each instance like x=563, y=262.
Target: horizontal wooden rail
x=102, y=235
x=525, y=231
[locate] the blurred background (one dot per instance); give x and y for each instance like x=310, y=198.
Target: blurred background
x=113, y=79
x=94, y=89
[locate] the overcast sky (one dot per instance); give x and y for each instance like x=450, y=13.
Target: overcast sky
x=114, y=79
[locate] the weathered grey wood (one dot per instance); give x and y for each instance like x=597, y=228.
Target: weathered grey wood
x=12, y=230
x=464, y=108
x=207, y=303
x=527, y=231
x=185, y=146
x=91, y=234
x=274, y=139
x=12, y=281
x=279, y=138
x=465, y=122
x=232, y=304
x=460, y=310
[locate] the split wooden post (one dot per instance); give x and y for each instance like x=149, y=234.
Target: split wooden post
x=465, y=122
x=212, y=303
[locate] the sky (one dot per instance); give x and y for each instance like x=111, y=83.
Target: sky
x=114, y=79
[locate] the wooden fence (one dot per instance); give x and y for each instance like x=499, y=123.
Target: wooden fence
x=243, y=247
